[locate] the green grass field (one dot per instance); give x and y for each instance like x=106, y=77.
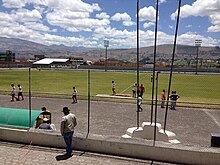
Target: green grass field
x=191, y=88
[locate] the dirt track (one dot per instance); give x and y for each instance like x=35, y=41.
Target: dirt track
x=191, y=126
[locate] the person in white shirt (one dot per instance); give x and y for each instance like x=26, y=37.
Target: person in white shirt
x=74, y=95
x=20, y=93
x=139, y=103
x=13, y=92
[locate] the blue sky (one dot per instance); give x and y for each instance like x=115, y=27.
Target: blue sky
x=88, y=23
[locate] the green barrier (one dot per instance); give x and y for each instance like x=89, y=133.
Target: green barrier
x=19, y=118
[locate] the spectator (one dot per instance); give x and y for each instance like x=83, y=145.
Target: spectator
x=13, y=92
x=134, y=90
x=67, y=126
x=74, y=95
x=20, y=93
x=47, y=125
x=173, y=97
x=142, y=90
x=139, y=103
x=44, y=114
x=163, y=98
x=113, y=88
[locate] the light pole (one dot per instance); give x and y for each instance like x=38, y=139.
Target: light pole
x=106, y=45
x=197, y=44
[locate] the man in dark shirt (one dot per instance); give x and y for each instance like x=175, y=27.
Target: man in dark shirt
x=173, y=97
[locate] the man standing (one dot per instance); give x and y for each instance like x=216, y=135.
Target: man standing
x=20, y=93
x=113, y=88
x=68, y=124
x=74, y=95
x=173, y=97
x=13, y=92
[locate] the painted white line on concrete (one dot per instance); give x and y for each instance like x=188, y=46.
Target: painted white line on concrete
x=212, y=117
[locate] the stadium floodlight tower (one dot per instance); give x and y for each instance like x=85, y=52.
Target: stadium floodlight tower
x=197, y=44
x=106, y=45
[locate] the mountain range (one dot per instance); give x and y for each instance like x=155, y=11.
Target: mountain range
x=27, y=49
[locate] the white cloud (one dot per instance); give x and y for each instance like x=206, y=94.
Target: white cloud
x=147, y=13
x=23, y=15
x=190, y=37
x=162, y=1
x=75, y=21
x=202, y=8
x=13, y=3
x=102, y=15
x=77, y=16
x=215, y=20
x=124, y=17
x=74, y=16
x=72, y=5
x=148, y=24
x=38, y=27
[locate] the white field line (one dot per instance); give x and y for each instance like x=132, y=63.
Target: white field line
x=131, y=85
x=212, y=117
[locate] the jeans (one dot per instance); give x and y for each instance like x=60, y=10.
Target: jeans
x=173, y=104
x=68, y=138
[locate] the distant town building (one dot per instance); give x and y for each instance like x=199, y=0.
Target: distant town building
x=39, y=57
x=7, y=56
x=77, y=60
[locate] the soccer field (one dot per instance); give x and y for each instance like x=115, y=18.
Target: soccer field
x=190, y=87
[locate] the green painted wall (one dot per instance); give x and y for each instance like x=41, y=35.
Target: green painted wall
x=19, y=118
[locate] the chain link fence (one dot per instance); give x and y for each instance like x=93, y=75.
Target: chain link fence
x=100, y=111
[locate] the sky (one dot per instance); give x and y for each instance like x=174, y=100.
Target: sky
x=88, y=23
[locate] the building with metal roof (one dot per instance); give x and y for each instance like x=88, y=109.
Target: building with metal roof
x=52, y=63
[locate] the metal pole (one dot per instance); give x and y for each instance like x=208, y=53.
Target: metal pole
x=155, y=117
x=137, y=62
x=29, y=97
x=171, y=69
x=88, y=102
x=154, y=64
x=106, y=59
x=197, y=54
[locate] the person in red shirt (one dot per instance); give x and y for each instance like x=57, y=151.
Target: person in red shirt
x=163, y=98
x=141, y=90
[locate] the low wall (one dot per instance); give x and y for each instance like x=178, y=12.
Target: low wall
x=136, y=148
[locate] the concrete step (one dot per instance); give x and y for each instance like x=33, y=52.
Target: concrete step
x=174, y=141
x=135, y=132
x=158, y=125
x=126, y=136
x=166, y=135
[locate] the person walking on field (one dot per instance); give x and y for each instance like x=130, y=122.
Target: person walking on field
x=74, y=95
x=163, y=98
x=113, y=88
x=13, y=92
x=140, y=109
x=20, y=93
x=68, y=123
x=173, y=97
